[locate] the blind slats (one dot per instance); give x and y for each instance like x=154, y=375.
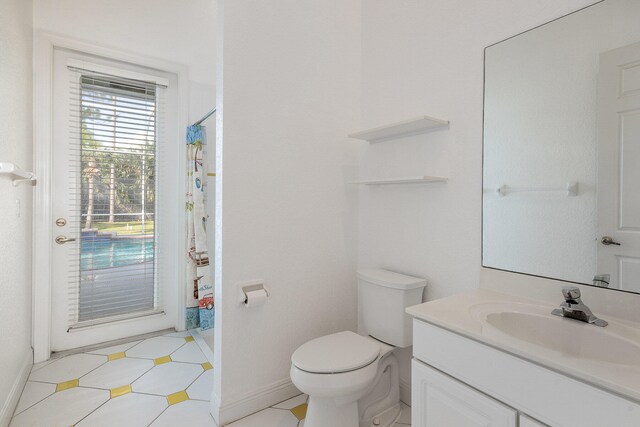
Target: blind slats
x=112, y=186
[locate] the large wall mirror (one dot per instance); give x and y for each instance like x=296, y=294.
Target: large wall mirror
x=561, y=184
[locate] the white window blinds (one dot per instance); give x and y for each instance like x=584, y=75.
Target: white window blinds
x=116, y=125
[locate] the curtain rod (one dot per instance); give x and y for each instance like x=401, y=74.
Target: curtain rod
x=206, y=116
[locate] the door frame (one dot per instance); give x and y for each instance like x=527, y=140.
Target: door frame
x=44, y=45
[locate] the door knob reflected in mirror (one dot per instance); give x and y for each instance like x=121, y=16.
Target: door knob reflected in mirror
x=607, y=240
x=64, y=239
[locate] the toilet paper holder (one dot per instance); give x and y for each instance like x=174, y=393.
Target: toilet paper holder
x=246, y=287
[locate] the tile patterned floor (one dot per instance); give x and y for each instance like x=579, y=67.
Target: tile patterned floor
x=291, y=413
x=160, y=381
x=163, y=381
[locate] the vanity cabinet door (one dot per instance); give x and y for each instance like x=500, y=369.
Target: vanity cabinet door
x=438, y=400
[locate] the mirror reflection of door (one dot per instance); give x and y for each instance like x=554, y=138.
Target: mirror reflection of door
x=619, y=167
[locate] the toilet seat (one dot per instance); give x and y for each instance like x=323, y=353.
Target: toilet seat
x=336, y=353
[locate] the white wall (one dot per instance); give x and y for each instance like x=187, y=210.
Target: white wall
x=176, y=30
x=179, y=31
x=426, y=57
x=289, y=76
x=541, y=104
x=15, y=231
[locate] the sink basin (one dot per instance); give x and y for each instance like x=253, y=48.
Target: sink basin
x=534, y=325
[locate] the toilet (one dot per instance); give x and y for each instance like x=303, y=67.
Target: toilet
x=352, y=379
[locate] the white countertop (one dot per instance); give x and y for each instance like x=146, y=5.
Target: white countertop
x=463, y=314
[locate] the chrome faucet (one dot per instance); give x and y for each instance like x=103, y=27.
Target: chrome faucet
x=574, y=308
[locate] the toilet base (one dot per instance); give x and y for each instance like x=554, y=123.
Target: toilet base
x=324, y=412
x=380, y=407
x=385, y=419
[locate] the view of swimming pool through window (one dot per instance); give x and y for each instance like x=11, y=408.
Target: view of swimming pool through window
x=108, y=253
x=118, y=197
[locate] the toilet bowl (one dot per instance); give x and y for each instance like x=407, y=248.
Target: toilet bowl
x=352, y=380
x=339, y=370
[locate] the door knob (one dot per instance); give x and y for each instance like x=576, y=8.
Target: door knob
x=607, y=240
x=64, y=239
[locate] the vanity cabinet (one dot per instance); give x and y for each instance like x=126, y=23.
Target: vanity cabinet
x=458, y=381
x=439, y=400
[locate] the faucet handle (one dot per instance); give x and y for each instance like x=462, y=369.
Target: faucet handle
x=571, y=293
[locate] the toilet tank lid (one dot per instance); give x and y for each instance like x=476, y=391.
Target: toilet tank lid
x=391, y=279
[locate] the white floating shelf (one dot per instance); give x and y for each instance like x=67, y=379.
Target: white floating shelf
x=422, y=124
x=408, y=180
x=18, y=175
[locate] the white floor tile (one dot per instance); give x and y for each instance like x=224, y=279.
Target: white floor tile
x=202, y=387
x=167, y=378
x=153, y=348
x=268, y=417
x=405, y=416
x=114, y=348
x=190, y=352
x=188, y=413
x=292, y=403
x=182, y=334
x=42, y=364
x=34, y=393
x=64, y=408
x=116, y=373
x=130, y=410
x=301, y=423
x=68, y=368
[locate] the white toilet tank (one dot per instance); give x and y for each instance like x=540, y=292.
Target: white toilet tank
x=382, y=298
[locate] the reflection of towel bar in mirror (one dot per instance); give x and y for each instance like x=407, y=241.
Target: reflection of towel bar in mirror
x=571, y=189
x=424, y=179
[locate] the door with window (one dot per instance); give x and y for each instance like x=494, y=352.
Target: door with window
x=111, y=194
x=618, y=172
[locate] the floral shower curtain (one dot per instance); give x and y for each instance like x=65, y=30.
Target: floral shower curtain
x=200, y=307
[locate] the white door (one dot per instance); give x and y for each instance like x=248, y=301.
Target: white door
x=438, y=400
x=619, y=167
x=113, y=201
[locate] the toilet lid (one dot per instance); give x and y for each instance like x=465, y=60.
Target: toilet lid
x=342, y=352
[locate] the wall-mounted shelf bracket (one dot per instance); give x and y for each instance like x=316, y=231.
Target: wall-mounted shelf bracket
x=17, y=175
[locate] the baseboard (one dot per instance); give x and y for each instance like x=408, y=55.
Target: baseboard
x=268, y=396
x=405, y=391
x=214, y=408
x=256, y=401
x=10, y=404
x=199, y=339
